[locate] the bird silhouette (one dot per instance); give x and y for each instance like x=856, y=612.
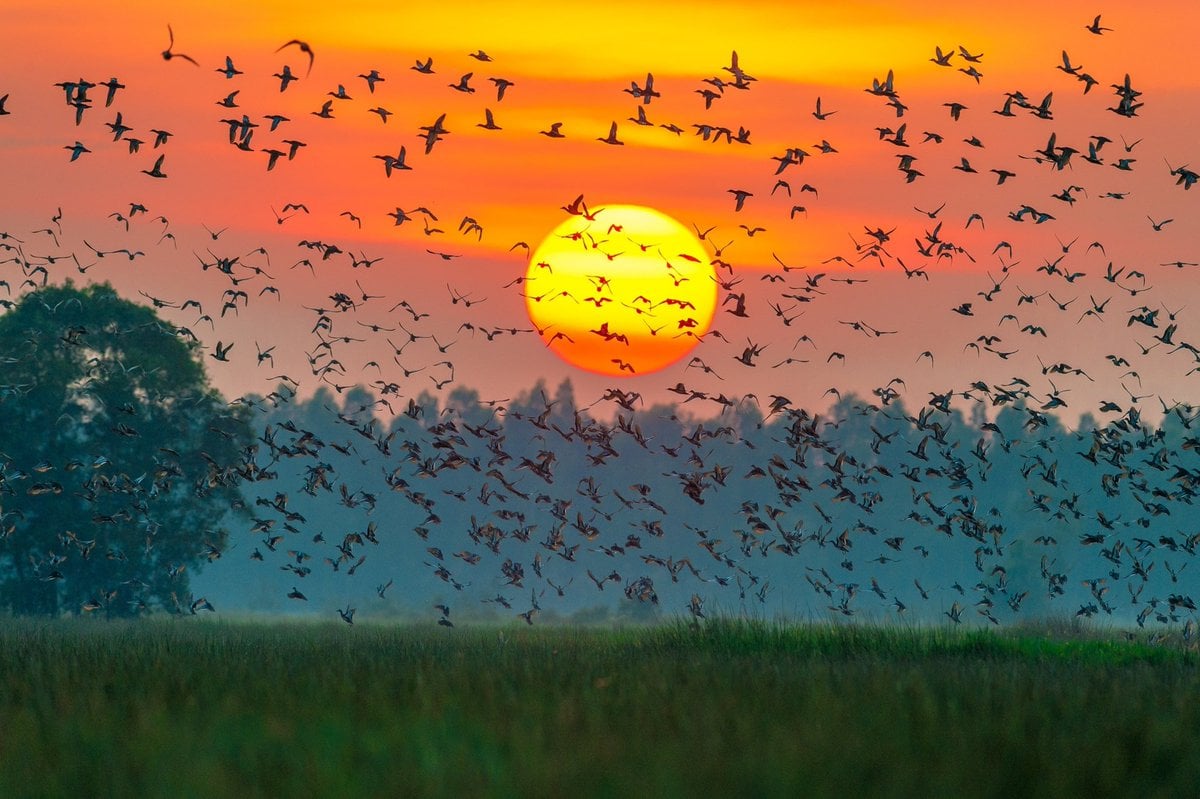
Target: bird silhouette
x=304, y=48
x=169, y=53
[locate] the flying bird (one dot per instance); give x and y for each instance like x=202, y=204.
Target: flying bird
x=372, y=78
x=611, y=138
x=156, y=171
x=77, y=149
x=304, y=48
x=502, y=85
x=1095, y=26
x=169, y=53
x=229, y=70
x=434, y=133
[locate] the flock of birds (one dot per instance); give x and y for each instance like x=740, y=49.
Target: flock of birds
x=799, y=458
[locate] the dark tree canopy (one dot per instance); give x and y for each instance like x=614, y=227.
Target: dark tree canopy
x=118, y=462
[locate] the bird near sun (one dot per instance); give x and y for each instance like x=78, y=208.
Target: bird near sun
x=620, y=289
x=911, y=310
x=495, y=317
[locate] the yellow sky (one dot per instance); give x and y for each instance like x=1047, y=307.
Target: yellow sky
x=571, y=63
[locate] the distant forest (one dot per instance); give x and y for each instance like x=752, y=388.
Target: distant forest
x=872, y=510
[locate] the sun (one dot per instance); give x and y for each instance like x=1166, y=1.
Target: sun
x=620, y=289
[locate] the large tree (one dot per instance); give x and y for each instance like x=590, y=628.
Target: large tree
x=118, y=461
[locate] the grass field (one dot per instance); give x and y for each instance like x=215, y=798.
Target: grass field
x=178, y=708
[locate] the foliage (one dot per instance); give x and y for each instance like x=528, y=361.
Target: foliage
x=869, y=510
x=184, y=708
x=117, y=460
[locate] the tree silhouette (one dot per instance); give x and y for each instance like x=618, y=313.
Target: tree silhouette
x=117, y=460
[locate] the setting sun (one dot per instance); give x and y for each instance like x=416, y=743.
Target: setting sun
x=620, y=289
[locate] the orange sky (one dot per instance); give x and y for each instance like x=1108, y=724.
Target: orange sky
x=570, y=63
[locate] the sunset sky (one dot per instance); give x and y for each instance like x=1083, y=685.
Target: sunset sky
x=583, y=66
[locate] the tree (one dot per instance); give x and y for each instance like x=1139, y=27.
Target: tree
x=118, y=461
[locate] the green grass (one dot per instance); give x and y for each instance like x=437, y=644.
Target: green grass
x=179, y=708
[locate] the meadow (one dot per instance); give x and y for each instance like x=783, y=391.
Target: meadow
x=204, y=708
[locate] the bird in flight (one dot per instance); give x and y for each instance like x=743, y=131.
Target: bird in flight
x=1095, y=27
x=822, y=115
x=740, y=196
x=229, y=70
x=372, y=78
x=391, y=162
x=611, y=138
x=169, y=53
x=434, y=133
x=77, y=149
x=304, y=48
x=156, y=172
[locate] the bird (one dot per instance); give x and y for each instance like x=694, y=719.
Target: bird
x=972, y=72
x=449, y=458
x=739, y=196
x=156, y=171
x=955, y=613
x=229, y=70
x=77, y=149
x=169, y=53
x=391, y=162
x=285, y=76
x=372, y=78
x=646, y=92
x=641, y=119
x=1095, y=27
x=611, y=138
x=304, y=48
x=434, y=133
x=974, y=59
x=382, y=112
x=502, y=85
x=820, y=115
x=489, y=122
x=273, y=155
x=222, y=353
x=112, y=85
